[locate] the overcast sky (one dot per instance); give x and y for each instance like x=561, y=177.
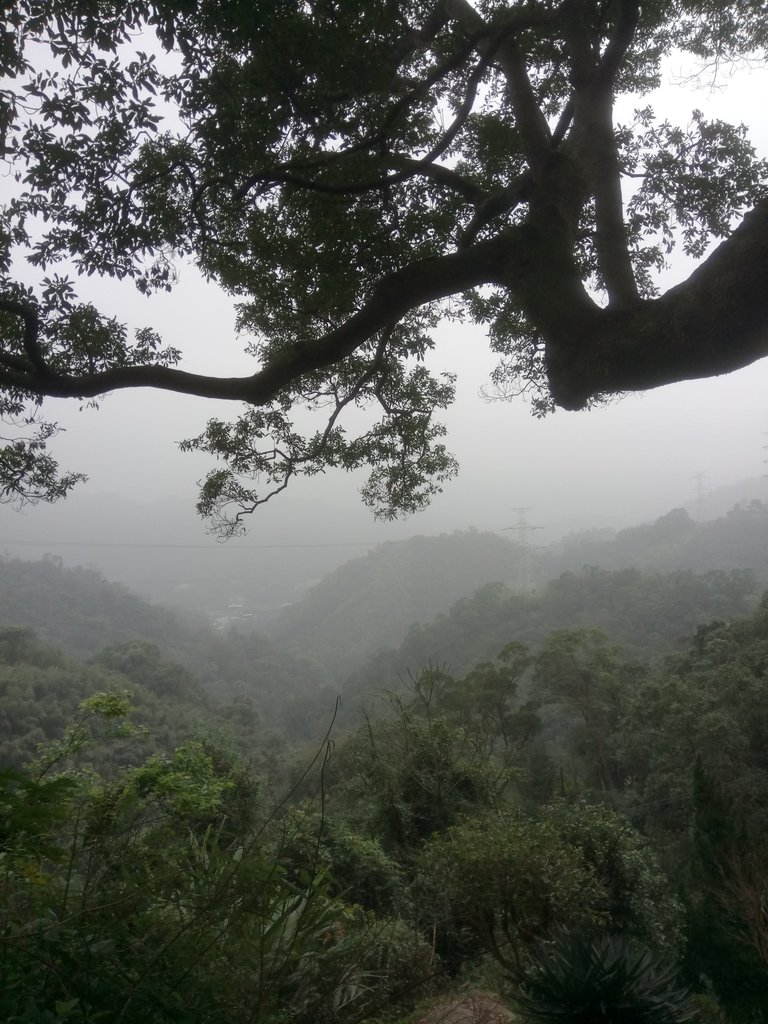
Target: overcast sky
x=625, y=463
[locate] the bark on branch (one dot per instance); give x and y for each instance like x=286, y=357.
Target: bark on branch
x=593, y=142
x=713, y=323
x=498, y=40
x=30, y=340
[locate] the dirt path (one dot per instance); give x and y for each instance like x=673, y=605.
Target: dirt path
x=475, y=1008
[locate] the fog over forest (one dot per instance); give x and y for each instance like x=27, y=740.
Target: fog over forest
x=502, y=760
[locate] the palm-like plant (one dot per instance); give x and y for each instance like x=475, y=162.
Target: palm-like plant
x=578, y=978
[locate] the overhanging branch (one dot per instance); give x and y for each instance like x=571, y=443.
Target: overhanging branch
x=415, y=285
x=593, y=143
x=713, y=323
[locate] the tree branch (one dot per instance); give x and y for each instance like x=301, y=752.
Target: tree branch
x=534, y=131
x=563, y=123
x=31, y=335
x=530, y=121
x=441, y=175
x=713, y=323
x=593, y=144
x=281, y=176
x=14, y=362
x=414, y=285
x=285, y=173
x=496, y=204
x=620, y=41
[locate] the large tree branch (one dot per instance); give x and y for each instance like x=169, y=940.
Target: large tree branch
x=530, y=121
x=30, y=339
x=713, y=323
x=627, y=18
x=415, y=285
x=593, y=142
x=581, y=54
x=532, y=126
x=441, y=175
x=496, y=204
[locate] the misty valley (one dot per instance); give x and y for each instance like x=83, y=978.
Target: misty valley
x=266, y=758
x=456, y=776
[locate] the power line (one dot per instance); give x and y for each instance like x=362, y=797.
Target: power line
x=204, y=547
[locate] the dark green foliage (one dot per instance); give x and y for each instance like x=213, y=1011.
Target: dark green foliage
x=170, y=892
x=727, y=928
x=716, y=951
x=717, y=831
x=31, y=810
x=710, y=703
x=581, y=979
x=510, y=878
x=415, y=771
x=585, y=679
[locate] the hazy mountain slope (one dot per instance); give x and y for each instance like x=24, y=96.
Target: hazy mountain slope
x=371, y=602
x=648, y=614
x=738, y=540
x=78, y=612
x=76, y=609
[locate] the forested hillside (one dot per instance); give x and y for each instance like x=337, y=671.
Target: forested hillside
x=409, y=604
x=416, y=596
x=562, y=826
x=78, y=613
x=738, y=540
x=371, y=602
x=649, y=614
x=551, y=790
x=77, y=609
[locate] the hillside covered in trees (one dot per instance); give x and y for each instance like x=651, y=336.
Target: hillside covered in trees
x=560, y=804
x=80, y=614
x=546, y=790
x=408, y=604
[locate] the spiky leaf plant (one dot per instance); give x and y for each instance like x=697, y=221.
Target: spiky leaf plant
x=580, y=978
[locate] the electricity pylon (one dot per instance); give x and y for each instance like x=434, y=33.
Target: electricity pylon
x=701, y=492
x=526, y=581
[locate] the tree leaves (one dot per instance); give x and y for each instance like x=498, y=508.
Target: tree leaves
x=344, y=171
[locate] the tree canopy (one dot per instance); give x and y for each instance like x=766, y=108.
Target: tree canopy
x=352, y=174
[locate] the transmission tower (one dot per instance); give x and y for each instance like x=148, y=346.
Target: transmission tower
x=528, y=570
x=701, y=493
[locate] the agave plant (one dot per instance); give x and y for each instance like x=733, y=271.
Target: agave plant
x=578, y=978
